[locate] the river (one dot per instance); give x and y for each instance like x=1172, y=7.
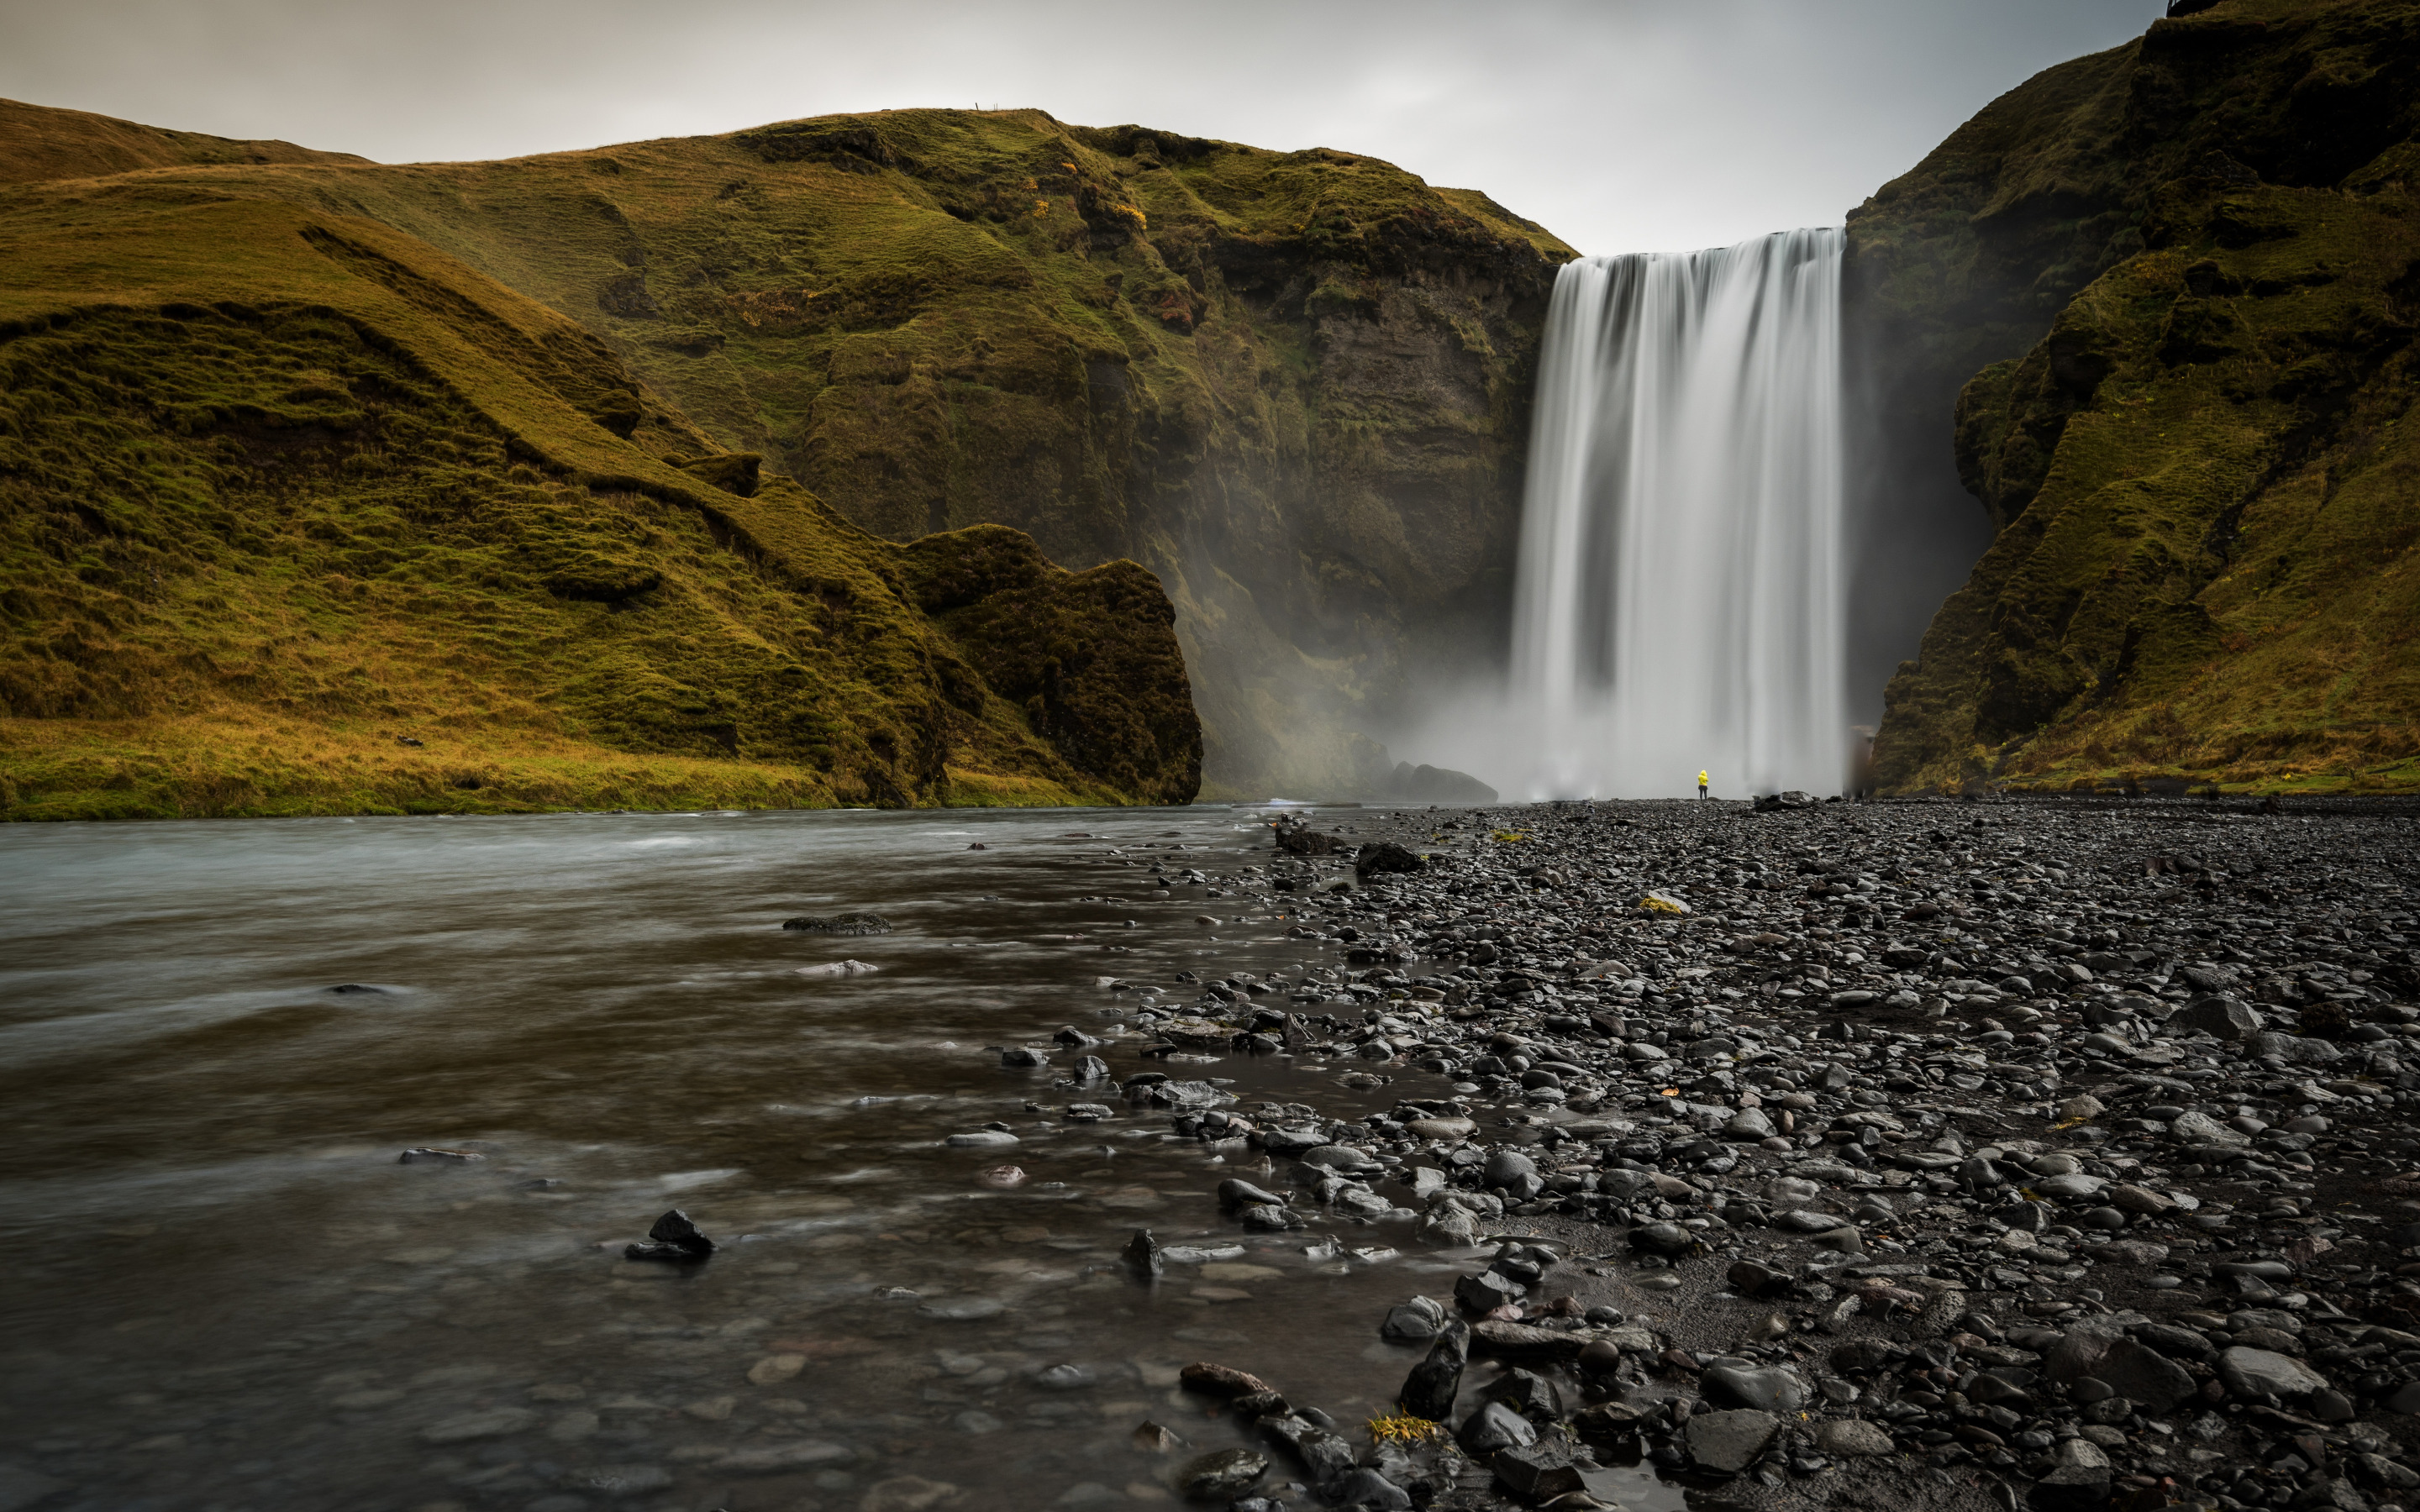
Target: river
x=231, y=1292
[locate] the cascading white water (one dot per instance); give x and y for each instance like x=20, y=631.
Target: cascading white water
x=1679, y=607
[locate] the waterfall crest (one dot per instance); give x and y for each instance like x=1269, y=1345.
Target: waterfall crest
x=1678, y=605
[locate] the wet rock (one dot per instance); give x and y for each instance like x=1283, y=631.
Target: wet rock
x=1749, y=1124
x=1663, y=1238
x=1219, y=1380
x=1342, y=1158
x=1852, y=1438
x=1775, y=1389
x=1523, y=1342
x=1017, y=1059
x=1234, y=1193
x=1529, y=1393
x=1151, y=1437
x=2201, y=1129
x=672, y=1238
x=1327, y=1455
x=981, y=1139
x=790, y=1455
x=1413, y=1322
x=1495, y=1426
x=837, y=968
x=484, y=1423
x=1538, y=1473
x=2262, y=1374
x=433, y=1154
x=1599, y=1357
x=618, y=1480
x=1385, y=857
x=1729, y=1442
x=1429, y=1391
x=1221, y=1475
x=1484, y=1294
x=2144, y=1375
x=1367, y=1488
x=909, y=1493
x=2218, y=1016
x=1509, y=1168
x=851, y=923
x=1142, y=1256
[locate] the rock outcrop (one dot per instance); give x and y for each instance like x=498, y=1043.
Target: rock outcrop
x=2188, y=271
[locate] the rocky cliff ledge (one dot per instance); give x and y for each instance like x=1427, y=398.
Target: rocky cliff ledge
x=2189, y=270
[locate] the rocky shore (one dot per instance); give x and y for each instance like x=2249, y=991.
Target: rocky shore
x=1931, y=1153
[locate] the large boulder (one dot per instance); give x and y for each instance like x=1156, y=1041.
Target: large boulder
x=2219, y=1016
x=2264, y=1374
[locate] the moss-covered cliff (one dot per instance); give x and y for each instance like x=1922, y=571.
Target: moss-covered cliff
x=2189, y=270
x=299, y=515
x=1293, y=385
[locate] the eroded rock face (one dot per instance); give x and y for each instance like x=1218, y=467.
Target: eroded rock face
x=2175, y=267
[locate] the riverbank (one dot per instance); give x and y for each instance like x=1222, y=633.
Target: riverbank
x=1908, y=1154
x=924, y=1179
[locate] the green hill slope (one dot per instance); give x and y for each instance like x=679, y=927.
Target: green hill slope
x=297, y=515
x=1293, y=386
x=38, y=143
x=2201, y=474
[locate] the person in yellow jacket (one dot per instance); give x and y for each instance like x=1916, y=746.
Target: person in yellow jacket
x=1701, y=786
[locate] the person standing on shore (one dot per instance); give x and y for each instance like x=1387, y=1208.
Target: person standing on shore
x=1701, y=787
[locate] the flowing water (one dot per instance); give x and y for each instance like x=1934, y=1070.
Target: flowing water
x=1679, y=604
x=228, y=1292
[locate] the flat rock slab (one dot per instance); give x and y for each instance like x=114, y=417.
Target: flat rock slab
x=1729, y=1442
x=2258, y=1373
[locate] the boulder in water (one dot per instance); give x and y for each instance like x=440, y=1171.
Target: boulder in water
x=674, y=1238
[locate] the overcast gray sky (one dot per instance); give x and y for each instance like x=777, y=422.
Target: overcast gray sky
x=1622, y=125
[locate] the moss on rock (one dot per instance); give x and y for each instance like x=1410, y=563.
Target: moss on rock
x=2198, y=469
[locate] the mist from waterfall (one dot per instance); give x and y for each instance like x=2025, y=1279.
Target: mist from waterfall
x=1679, y=604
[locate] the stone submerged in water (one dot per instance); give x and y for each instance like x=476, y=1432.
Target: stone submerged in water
x=838, y=968
x=674, y=1238
x=853, y=923
x=1222, y=1476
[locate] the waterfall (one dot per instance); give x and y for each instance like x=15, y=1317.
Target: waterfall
x=1679, y=604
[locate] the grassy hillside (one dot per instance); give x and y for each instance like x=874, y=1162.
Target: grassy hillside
x=297, y=515
x=2196, y=459
x=38, y=143
x=1293, y=386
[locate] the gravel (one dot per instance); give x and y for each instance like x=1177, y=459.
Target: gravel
x=1930, y=1153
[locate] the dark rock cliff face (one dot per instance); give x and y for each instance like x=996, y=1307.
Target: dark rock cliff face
x=2186, y=270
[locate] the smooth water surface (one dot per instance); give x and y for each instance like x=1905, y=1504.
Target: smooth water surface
x=227, y=1290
